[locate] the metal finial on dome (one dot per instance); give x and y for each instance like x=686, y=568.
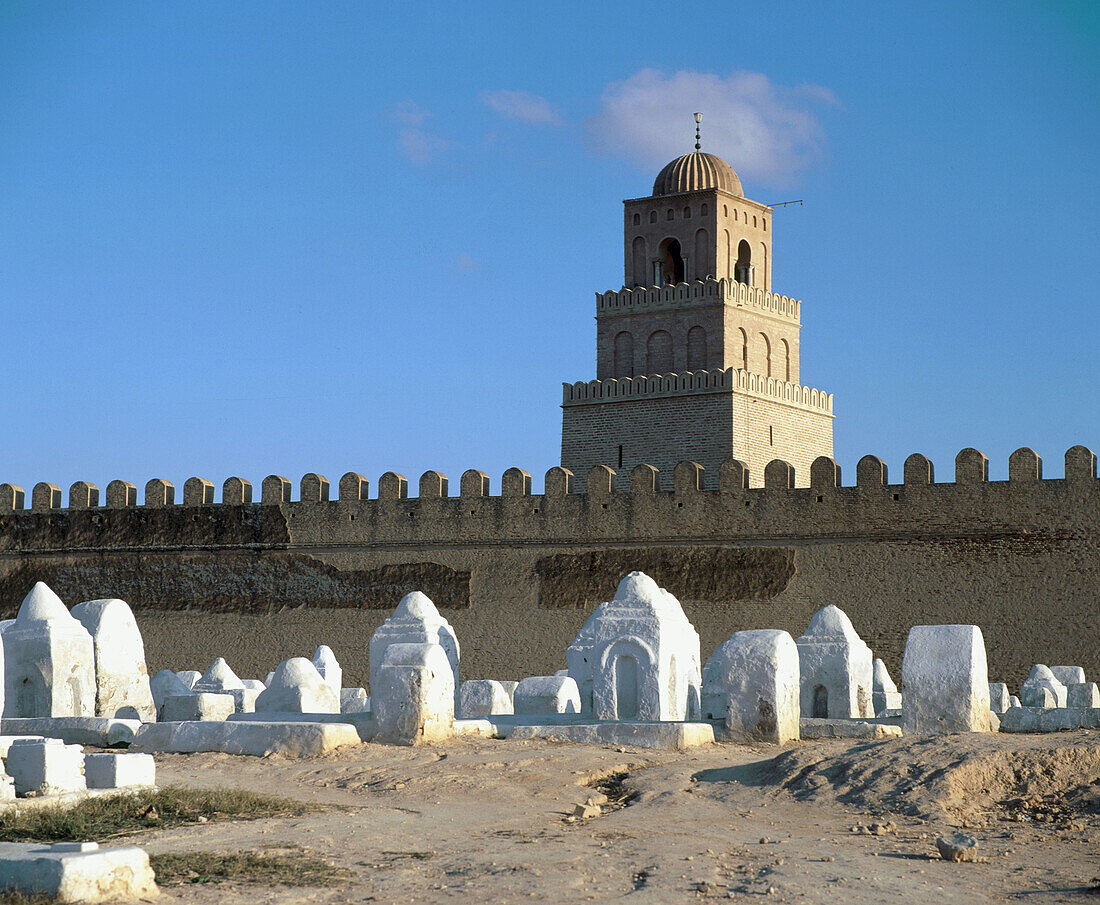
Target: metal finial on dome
x=698, y=119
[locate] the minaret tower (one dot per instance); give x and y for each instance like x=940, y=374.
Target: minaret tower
x=696, y=357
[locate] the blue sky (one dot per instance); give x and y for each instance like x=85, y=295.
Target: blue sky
x=271, y=237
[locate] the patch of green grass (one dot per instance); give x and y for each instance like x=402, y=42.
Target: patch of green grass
x=294, y=869
x=103, y=817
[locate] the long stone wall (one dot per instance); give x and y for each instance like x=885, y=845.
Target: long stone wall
x=518, y=574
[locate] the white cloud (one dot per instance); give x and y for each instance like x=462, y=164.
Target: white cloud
x=764, y=131
x=417, y=142
x=522, y=105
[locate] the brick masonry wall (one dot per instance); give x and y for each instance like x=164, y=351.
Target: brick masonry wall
x=259, y=583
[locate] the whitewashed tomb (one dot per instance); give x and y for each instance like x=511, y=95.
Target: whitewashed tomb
x=122, y=679
x=637, y=656
x=944, y=680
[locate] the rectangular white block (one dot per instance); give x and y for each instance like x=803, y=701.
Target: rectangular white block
x=257, y=739
x=944, y=680
x=205, y=706
x=120, y=771
x=76, y=872
x=46, y=767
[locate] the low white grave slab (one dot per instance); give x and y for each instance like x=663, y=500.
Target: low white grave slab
x=76, y=871
x=49, y=660
x=752, y=683
x=201, y=706
x=297, y=687
x=120, y=771
x=413, y=694
x=1042, y=688
x=637, y=656
x=45, y=767
x=546, y=694
x=122, y=679
x=811, y=728
x=482, y=697
x=100, y=731
x=836, y=668
x=329, y=668
x=253, y=738
x=945, y=680
x=414, y=621
x=671, y=735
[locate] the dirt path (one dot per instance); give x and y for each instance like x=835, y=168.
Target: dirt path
x=482, y=821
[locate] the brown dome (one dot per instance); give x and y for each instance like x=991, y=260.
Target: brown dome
x=697, y=171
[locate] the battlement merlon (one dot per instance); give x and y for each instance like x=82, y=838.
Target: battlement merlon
x=699, y=292
x=729, y=380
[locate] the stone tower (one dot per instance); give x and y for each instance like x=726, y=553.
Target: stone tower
x=696, y=358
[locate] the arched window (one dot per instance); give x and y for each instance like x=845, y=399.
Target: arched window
x=697, y=349
x=652, y=216
x=766, y=360
x=743, y=272
x=637, y=219
x=754, y=221
x=658, y=353
x=725, y=210
x=764, y=220
x=763, y=262
x=744, y=337
x=702, y=264
x=726, y=269
x=687, y=213
x=735, y=215
x=637, y=261
x=670, y=267
x=669, y=215
x=702, y=210
x=624, y=355
x=785, y=363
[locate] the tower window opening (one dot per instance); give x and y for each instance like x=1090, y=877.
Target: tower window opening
x=703, y=211
x=771, y=435
x=672, y=262
x=637, y=219
x=725, y=210
x=743, y=270
x=624, y=355
x=754, y=222
x=697, y=349
x=652, y=216
x=659, y=353
x=764, y=221
x=735, y=220
x=687, y=213
x=669, y=215
x=620, y=455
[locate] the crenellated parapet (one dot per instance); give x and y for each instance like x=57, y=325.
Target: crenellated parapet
x=971, y=470
x=710, y=291
x=695, y=383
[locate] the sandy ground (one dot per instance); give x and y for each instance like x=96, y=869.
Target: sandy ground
x=482, y=821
